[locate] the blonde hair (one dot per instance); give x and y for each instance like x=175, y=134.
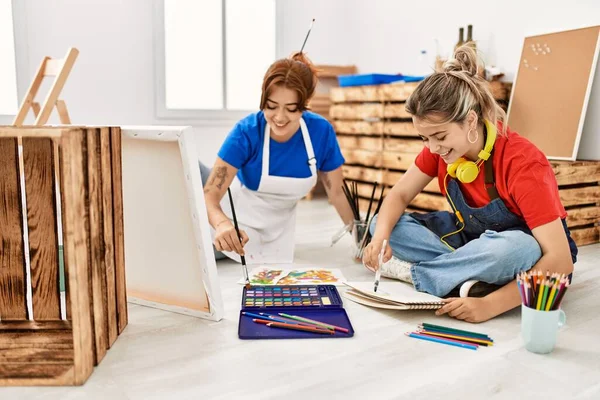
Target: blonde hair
x=456, y=90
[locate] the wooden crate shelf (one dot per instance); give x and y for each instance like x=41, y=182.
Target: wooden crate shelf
x=380, y=143
x=374, y=93
x=321, y=102
x=579, y=190
x=45, y=340
x=376, y=128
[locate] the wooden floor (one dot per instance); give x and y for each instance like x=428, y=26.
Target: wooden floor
x=163, y=355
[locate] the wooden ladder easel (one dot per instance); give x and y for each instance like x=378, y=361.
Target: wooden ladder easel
x=60, y=69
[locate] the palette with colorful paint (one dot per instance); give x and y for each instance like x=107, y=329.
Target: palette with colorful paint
x=311, y=296
x=320, y=303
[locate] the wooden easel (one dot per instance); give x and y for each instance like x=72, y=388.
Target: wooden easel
x=60, y=69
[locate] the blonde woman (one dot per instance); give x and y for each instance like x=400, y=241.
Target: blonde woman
x=506, y=214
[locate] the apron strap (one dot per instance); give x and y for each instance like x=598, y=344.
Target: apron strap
x=312, y=161
x=266, y=151
x=490, y=185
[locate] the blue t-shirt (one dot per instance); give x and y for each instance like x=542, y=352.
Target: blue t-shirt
x=243, y=149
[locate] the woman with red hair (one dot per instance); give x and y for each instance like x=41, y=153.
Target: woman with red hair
x=275, y=155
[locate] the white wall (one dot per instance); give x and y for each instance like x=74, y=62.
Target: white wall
x=113, y=79
x=386, y=35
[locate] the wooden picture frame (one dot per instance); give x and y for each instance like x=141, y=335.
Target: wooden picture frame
x=170, y=258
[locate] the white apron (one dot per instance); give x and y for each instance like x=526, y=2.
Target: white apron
x=268, y=215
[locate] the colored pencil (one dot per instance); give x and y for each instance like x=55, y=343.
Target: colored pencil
x=560, y=289
x=545, y=296
x=551, y=297
x=270, y=321
x=453, y=330
x=450, y=339
x=559, y=297
x=522, y=292
x=447, y=332
x=440, y=340
x=268, y=318
x=471, y=339
x=311, y=321
x=289, y=320
x=299, y=328
x=540, y=291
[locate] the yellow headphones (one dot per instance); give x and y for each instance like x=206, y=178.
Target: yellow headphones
x=466, y=170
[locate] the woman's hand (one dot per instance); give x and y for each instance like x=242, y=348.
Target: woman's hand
x=226, y=238
x=470, y=309
x=371, y=254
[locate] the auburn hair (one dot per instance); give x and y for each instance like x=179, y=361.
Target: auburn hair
x=296, y=73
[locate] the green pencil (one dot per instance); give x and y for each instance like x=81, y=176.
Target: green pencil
x=544, y=295
x=452, y=330
x=310, y=321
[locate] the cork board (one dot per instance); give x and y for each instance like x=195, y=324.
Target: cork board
x=552, y=89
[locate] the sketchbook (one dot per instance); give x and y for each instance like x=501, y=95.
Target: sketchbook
x=391, y=296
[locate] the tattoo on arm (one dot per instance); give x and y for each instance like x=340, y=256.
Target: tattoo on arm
x=218, y=176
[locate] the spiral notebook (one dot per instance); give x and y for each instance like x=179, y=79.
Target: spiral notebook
x=391, y=296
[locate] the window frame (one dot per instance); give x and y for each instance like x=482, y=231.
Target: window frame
x=21, y=58
x=209, y=117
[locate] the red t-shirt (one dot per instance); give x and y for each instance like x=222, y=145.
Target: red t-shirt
x=524, y=179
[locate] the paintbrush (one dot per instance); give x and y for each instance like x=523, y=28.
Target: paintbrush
x=237, y=229
x=380, y=262
x=380, y=201
x=371, y=203
x=307, y=34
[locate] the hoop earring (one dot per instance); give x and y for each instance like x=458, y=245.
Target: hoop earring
x=469, y=136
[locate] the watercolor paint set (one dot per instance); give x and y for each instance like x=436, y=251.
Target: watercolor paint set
x=293, y=312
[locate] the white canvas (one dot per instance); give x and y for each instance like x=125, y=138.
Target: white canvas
x=169, y=257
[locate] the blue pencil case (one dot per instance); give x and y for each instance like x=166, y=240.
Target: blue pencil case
x=321, y=303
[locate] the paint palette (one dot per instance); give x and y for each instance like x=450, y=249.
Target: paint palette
x=311, y=296
x=317, y=302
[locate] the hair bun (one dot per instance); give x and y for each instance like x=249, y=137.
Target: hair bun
x=302, y=58
x=465, y=60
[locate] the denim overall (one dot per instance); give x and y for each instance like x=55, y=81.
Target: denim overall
x=493, y=247
x=494, y=216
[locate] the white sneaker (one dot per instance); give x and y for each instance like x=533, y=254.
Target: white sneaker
x=397, y=269
x=475, y=288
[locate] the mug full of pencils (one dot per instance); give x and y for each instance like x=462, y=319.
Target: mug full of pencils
x=541, y=316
